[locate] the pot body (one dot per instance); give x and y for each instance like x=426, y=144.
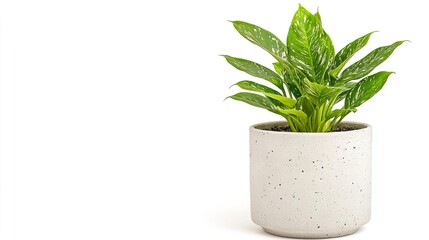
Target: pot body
x=310, y=185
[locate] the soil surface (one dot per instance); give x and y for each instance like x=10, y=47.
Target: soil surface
x=287, y=129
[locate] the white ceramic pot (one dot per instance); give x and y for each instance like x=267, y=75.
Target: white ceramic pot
x=310, y=185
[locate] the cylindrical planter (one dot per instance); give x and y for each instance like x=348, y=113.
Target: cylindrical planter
x=310, y=185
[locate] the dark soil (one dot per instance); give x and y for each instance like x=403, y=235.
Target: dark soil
x=287, y=129
x=343, y=129
x=279, y=129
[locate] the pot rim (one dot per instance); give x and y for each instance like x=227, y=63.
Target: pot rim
x=360, y=127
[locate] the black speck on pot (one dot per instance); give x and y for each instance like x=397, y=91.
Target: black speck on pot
x=302, y=171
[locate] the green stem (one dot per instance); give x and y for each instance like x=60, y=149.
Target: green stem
x=334, y=122
x=283, y=91
x=290, y=93
x=288, y=90
x=331, y=104
x=291, y=125
x=337, y=124
x=319, y=116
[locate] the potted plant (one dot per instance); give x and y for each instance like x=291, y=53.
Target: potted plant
x=310, y=175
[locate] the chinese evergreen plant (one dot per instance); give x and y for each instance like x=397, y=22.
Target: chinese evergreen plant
x=309, y=75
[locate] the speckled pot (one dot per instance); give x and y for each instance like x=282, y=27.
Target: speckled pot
x=310, y=185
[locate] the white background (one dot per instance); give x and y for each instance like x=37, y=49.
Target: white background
x=113, y=124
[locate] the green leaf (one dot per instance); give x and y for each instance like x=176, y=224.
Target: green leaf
x=330, y=93
x=278, y=67
x=317, y=16
x=262, y=38
x=364, y=66
x=296, y=123
x=318, y=94
x=294, y=112
x=347, y=88
x=326, y=76
x=344, y=55
x=312, y=91
x=292, y=86
x=288, y=102
x=256, y=70
x=339, y=112
x=305, y=105
x=288, y=80
x=309, y=48
x=326, y=126
x=254, y=100
x=365, y=89
x=256, y=87
x=273, y=45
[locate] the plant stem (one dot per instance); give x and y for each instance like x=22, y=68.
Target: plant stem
x=290, y=93
x=337, y=124
x=291, y=125
x=284, y=92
